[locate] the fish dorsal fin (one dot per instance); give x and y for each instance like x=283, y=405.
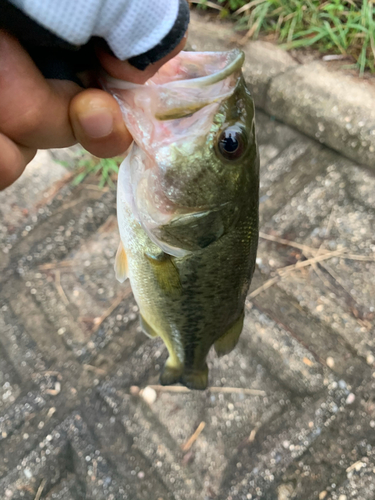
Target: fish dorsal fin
x=121, y=264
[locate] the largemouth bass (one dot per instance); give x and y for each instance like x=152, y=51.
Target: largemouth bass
x=187, y=206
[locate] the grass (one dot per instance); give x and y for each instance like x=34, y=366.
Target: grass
x=346, y=28
x=105, y=169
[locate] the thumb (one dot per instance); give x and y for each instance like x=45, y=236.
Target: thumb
x=98, y=124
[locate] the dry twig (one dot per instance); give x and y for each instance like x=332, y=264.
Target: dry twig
x=265, y=285
x=99, y=320
x=253, y=433
x=189, y=443
x=250, y=33
x=361, y=258
x=95, y=188
x=248, y=6
x=284, y=271
x=237, y=390
x=95, y=369
x=313, y=251
x=55, y=265
x=60, y=288
x=289, y=243
x=65, y=206
x=40, y=489
x=224, y=390
x=319, y=258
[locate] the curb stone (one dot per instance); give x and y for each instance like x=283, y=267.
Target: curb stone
x=331, y=106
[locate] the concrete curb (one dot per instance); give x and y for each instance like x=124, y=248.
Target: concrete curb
x=332, y=106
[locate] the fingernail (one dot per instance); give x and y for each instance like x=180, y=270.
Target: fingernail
x=97, y=124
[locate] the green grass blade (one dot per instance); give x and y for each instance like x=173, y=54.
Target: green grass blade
x=79, y=178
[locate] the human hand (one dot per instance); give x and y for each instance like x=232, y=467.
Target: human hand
x=38, y=113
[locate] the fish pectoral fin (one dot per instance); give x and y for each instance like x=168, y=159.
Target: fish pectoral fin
x=121, y=264
x=228, y=341
x=165, y=272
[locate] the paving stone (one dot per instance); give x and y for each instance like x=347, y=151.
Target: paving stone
x=21, y=202
x=78, y=293
x=273, y=136
x=67, y=489
x=316, y=335
x=58, y=227
x=140, y=480
x=288, y=173
x=68, y=157
x=229, y=414
x=263, y=461
x=333, y=212
x=31, y=189
x=231, y=417
x=285, y=358
x=360, y=481
x=9, y=382
x=286, y=413
x=348, y=450
x=69, y=448
x=283, y=163
x=18, y=347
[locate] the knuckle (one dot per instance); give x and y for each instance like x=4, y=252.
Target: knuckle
x=22, y=119
x=31, y=119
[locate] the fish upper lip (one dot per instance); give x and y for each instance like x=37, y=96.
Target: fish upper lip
x=229, y=69
x=202, y=81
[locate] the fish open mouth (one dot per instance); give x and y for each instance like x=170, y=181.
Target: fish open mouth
x=184, y=85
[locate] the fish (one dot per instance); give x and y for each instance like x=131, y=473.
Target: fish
x=187, y=206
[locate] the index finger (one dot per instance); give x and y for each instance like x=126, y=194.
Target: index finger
x=33, y=111
x=123, y=70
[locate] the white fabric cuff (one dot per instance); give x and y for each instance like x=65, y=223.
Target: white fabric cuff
x=130, y=27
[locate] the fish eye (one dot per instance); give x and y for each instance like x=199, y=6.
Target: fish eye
x=232, y=143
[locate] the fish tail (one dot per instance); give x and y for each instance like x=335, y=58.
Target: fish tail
x=176, y=373
x=196, y=379
x=193, y=371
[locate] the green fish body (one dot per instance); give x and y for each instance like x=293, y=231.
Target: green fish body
x=187, y=207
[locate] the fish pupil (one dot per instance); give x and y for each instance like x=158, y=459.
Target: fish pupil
x=228, y=143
